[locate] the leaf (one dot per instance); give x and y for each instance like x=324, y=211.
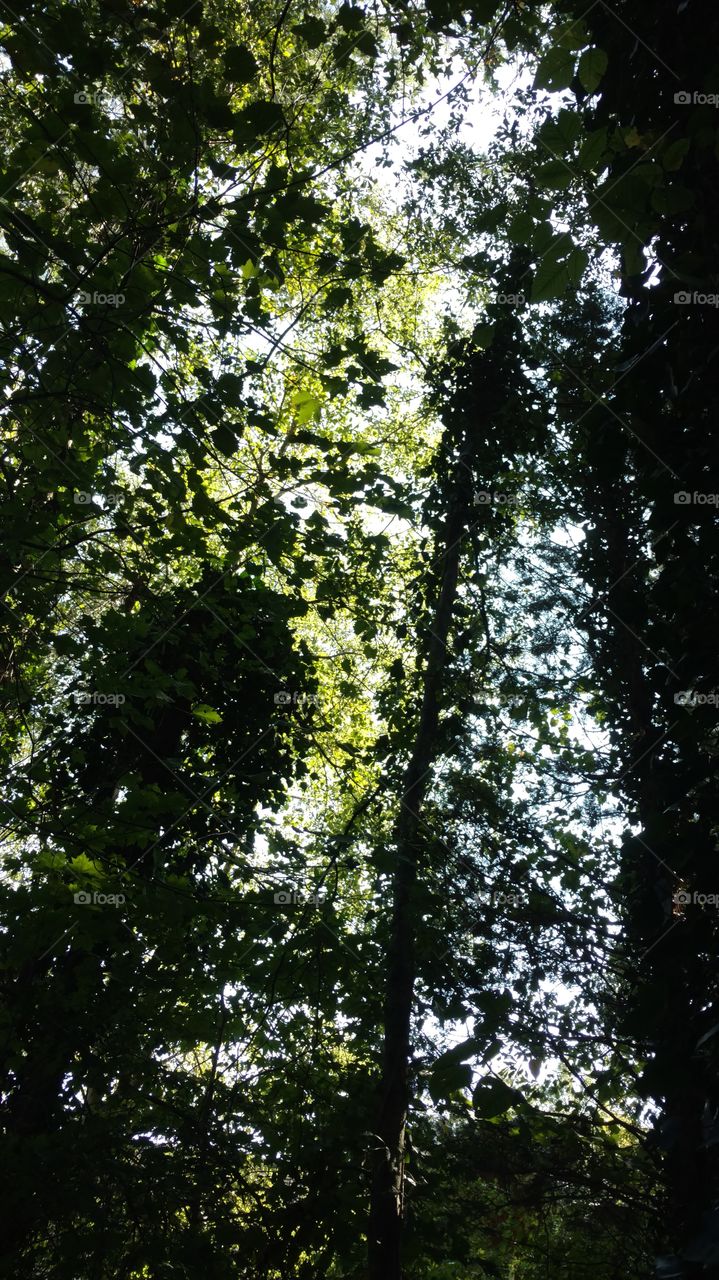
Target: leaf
x=576, y=264
x=520, y=228
x=203, y=712
x=350, y=17
x=306, y=405
x=467, y=1048
x=555, y=176
x=490, y=1268
x=337, y=298
x=312, y=30
x=673, y=157
x=674, y=199
x=82, y=864
x=632, y=258
x=592, y=65
x=482, y=335
x=556, y=273
x=571, y=35
x=253, y=123
x=561, y=133
x=392, y=506
x=240, y=64
x=448, y=1078
x=494, y=1097
x=542, y=237
x=224, y=440
x=592, y=150
x=367, y=44
x=555, y=70
x=294, y=206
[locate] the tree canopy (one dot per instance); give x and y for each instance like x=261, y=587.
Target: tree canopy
x=358, y=896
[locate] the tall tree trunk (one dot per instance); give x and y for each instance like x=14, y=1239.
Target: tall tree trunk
x=387, y=1197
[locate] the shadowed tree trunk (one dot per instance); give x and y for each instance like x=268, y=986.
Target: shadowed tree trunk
x=387, y=1199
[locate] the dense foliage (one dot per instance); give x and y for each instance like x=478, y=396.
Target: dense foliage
x=359, y=562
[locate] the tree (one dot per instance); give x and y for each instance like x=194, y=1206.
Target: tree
x=347, y=605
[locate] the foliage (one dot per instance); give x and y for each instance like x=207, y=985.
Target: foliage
x=336, y=445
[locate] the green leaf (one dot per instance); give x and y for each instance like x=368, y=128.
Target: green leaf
x=467, y=1048
x=555, y=176
x=296, y=207
x=312, y=30
x=224, y=440
x=674, y=199
x=336, y=298
x=558, y=271
x=208, y=714
x=491, y=1269
x=673, y=156
x=447, y=1078
x=592, y=150
x=253, y=123
x=520, y=228
x=571, y=35
x=367, y=44
x=576, y=265
x=392, y=506
x=555, y=70
x=560, y=134
x=592, y=65
x=632, y=258
x=83, y=865
x=483, y=335
x=350, y=17
x=483, y=11
x=493, y=1098
x=306, y=405
x=240, y=64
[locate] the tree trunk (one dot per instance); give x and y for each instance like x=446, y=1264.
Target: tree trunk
x=387, y=1196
